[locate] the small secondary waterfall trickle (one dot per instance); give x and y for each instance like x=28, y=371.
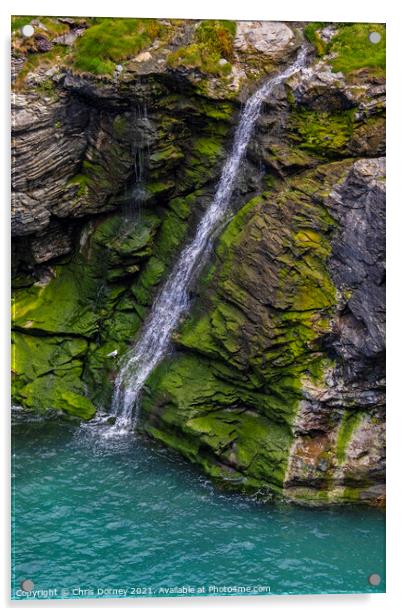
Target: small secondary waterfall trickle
x=172, y=301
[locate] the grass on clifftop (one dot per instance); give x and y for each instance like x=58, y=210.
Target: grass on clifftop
x=351, y=47
x=355, y=51
x=46, y=27
x=111, y=41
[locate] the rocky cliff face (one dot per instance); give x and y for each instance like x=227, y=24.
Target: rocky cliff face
x=275, y=383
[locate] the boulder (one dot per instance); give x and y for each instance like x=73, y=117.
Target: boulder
x=271, y=39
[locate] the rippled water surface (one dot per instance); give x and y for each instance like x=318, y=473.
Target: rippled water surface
x=124, y=517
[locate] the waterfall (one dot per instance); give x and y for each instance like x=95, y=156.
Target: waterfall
x=172, y=300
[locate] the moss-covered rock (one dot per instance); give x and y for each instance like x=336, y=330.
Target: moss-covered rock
x=47, y=374
x=60, y=303
x=102, y=293
x=58, y=392
x=211, y=49
x=253, y=335
x=76, y=314
x=338, y=134
x=349, y=423
x=322, y=132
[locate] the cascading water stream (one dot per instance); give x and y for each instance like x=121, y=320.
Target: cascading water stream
x=172, y=301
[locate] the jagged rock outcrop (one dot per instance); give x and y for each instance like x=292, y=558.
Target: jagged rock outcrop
x=340, y=427
x=44, y=157
x=276, y=382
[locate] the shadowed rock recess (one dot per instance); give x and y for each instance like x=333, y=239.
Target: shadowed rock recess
x=274, y=383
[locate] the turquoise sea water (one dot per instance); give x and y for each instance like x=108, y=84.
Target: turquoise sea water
x=96, y=517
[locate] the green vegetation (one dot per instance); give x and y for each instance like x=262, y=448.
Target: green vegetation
x=38, y=355
x=208, y=148
x=67, y=324
x=47, y=374
x=48, y=88
x=50, y=58
x=254, y=338
x=354, y=51
x=52, y=26
x=81, y=182
x=51, y=392
x=200, y=411
x=206, y=152
x=62, y=304
x=131, y=240
x=322, y=132
x=218, y=36
x=102, y=293
x=348, y=425
x=46, y=27
x=111, y=41
x=350, y=48
x=311, y=34
x=18, y=21
x=213, y=41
